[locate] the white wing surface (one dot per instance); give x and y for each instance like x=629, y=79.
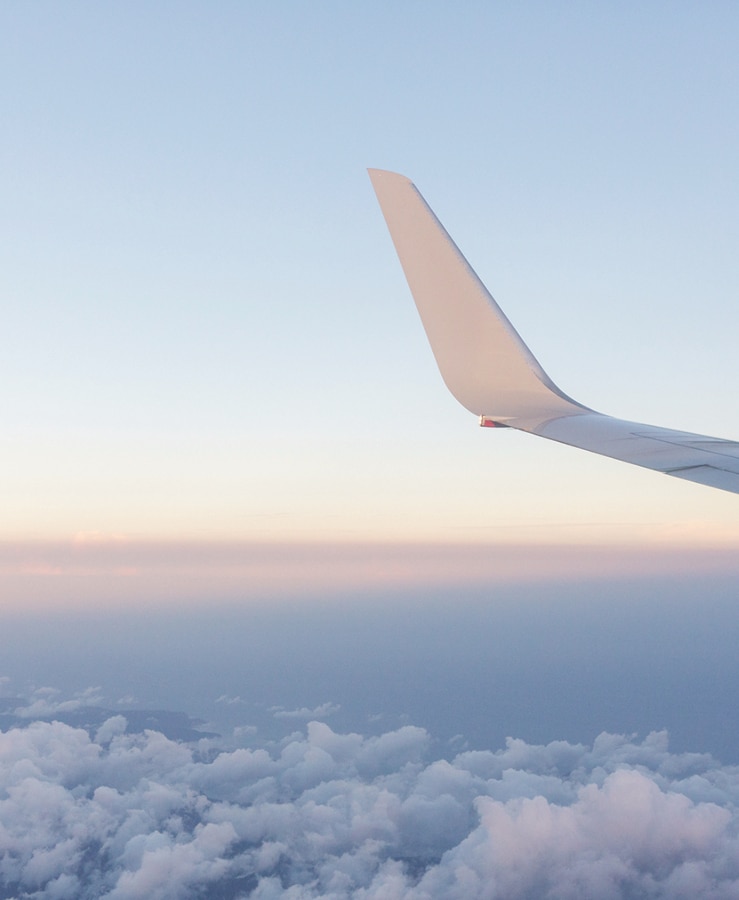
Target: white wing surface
x=492, y=373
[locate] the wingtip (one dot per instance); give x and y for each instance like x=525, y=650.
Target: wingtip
x=377, y=175
x=482, y=358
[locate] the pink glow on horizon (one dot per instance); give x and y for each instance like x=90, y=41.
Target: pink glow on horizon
x=110, y=574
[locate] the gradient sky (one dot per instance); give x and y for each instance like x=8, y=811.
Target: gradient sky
x=207, y=334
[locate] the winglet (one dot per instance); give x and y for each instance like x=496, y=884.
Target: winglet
x=490, y=370
x=481, y=357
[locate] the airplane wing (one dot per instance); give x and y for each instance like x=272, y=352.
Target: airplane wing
x=492, y=373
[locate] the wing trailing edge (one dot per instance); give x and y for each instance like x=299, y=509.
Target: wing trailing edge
x=490, y=370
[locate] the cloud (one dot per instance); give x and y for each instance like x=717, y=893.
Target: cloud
x=325, y=814
x=44, y=702
x=228, y=700
x=319, y=712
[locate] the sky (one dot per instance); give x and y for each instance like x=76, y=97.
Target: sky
x=208, y=335
x=425, y=659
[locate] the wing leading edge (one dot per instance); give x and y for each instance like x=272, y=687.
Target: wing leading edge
x=492, y=372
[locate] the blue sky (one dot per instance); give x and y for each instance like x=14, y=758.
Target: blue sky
x=208, y=335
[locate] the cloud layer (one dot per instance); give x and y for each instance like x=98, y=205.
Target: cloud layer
x=322, y=814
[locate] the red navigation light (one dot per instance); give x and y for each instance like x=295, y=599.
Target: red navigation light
x=485, y=422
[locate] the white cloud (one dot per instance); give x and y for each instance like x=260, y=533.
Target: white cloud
x=44, y=702
x=347, y=816
x=319, y=712
x=228, y=700
x=111, y=728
